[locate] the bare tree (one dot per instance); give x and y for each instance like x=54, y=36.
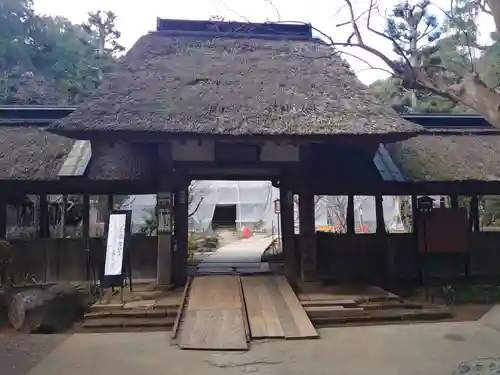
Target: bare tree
x=196, y=194
x=337, y=211
x=416, y=65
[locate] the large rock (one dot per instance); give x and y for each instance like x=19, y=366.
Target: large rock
x=45, y=308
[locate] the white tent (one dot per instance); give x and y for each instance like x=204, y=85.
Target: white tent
x=254, y=201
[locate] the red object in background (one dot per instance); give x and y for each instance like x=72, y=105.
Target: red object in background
x=246, y=232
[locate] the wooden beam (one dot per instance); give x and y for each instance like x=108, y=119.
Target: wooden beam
x=111, y=205
x=288, y=231
x=474, y=212
x=350, y=220
x=64, y=205
x=181, y=232
x=3, y=216
x=308, y=251
x=86, y=216
x=43, y=219
x=454, y=200
x=379, y=212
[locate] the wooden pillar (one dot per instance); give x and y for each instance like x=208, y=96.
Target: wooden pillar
x=414, y=214
x=86, y=232
x=43, y=219
x=308, y=252
x=383, y=241
x=454, y=201
x=110, y=203
x=3, y=216
x=181, y=229
x=379, y=212
x=64, y=207
x=164, y=210
x=474, y=213
x=86, y=216
x=350, y=220
x=4, y=276
x=164, y=220
x=288, y=231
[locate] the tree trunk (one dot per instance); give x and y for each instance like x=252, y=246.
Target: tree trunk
x=46, y=308
x=470, y=91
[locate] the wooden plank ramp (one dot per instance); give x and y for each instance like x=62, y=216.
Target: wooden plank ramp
x=214, y=316
x=182, y=308
x=274, y=310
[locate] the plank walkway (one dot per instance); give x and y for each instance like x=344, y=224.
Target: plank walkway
x=274, y=310
x=214, y=319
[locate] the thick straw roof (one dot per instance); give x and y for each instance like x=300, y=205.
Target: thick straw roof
x=223, y=85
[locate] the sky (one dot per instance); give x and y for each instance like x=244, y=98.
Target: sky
x=136, y=18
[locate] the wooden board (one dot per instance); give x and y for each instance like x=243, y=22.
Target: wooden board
x=214, y=292
x=214, y=319
x=263, y=319
x=342, y=302
x=182, y=306
x=304, y=325
x=273, y=310
x=214, y=330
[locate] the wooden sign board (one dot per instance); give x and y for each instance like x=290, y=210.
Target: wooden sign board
x=447, y=231
x=277, y=206
x=117, y=255
x=165, y=216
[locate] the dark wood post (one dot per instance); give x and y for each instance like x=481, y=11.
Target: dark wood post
x=3, y=216
x=454, y=201
x=350, y=220
x=288, y=231
x=44, y=229
x=383, y=240
x=474, y=213
x=164, y=211
x=308, y=251
x=379, y=212
x=64, y=207
x=181, y=229
x=111, y=205
x=86, y=233
x=86, y=216
x=415, y=228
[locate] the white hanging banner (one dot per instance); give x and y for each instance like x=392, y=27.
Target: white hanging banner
x=115, y=245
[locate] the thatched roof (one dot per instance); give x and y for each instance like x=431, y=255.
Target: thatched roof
x=174, y=83
x=448, y=157
x=30, y=153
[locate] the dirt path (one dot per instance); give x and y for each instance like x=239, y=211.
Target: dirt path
x=19, y=353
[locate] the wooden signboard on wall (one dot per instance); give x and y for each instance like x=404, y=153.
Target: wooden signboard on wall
x=447, y=231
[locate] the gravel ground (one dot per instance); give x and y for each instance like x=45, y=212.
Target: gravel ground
x=19, y=353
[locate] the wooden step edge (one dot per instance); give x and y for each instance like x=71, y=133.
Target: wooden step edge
x=128, y=314
x=244, y=311
x=312, y=303
x=124, y=323
x=182, y=307
x=368, y=318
